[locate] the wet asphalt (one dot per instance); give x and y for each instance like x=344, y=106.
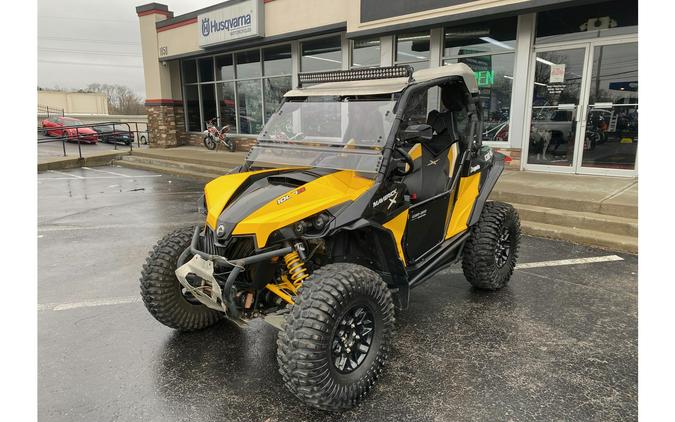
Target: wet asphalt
x=559, y=343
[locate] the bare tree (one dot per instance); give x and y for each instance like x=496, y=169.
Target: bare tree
x=121, y=99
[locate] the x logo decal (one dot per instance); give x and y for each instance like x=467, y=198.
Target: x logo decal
x=392, y=201
x=432, y=162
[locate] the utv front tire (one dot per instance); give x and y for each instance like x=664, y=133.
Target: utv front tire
x=491, y=251
x=336, y=337
x=162, y=292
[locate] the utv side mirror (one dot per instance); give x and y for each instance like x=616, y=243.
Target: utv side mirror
x=421, y=132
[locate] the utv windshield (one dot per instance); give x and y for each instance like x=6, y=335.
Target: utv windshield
x=326, y=132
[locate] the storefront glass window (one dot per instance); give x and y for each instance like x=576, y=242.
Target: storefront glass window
x=366, y=52
x=274, y=90
x=242, y=97
x=494, y=75
x=483, y=37
x=589, y=21
x=193, y=119
x=224, y=67
x=189, y=71
x=488, y=48
x=249, y=102
x=321, y=54
x=248, y=64
x=227, y=104
x=205, y=69
x=277, y=60
x=209, y=102
x=413, y=49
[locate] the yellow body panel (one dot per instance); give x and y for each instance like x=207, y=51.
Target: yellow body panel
x=468, y=192
x=397, y=227
x=415, y=152
x=302, y=202
x=453, y=152
x=219, y=191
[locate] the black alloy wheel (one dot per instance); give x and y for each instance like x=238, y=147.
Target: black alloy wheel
x=503, y=247
x=353, y=339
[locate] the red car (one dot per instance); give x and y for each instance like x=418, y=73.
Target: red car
x=54, y=126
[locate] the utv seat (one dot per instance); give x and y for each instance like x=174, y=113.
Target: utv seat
x=436, y=159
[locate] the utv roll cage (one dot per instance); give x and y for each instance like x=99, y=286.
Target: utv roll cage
x=404, y=82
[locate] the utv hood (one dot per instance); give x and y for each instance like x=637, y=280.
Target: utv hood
x=258, y=203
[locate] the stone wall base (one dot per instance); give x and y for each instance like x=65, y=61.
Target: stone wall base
x=240, y=143
x=514, y=153
x=165, y=122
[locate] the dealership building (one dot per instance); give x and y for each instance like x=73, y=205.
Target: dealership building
x=558, y=79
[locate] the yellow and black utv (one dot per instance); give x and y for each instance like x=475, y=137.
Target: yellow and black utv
x=352, y=195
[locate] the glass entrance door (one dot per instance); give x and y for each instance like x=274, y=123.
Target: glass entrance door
x=611, y=118
x=556, y=105
x=584, y=112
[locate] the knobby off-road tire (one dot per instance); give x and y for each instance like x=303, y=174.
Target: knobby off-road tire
x=161, y=290
x=305, y=349
x=491, y=251
x=210, y=143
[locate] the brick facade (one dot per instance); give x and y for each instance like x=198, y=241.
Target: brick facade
x=514, y=153
x=240, y=143
x=166, y=126
x=162, y=127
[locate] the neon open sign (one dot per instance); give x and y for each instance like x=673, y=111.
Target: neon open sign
x=485, y=77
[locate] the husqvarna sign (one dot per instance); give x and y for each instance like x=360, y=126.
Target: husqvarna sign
x=235, y=21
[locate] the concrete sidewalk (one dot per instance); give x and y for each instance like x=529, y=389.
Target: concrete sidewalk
x=596, y=210
x=607, y=195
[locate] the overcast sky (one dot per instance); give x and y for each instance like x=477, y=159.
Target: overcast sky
x=88, y=41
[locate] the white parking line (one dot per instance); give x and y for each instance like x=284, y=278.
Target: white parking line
x=115, y=226
x=135, y=299
x=89, y=304
x=107, y=172
x=42, y=179
x=70, y=176
x=575, y=261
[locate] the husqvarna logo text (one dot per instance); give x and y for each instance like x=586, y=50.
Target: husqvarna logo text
x=212, y=25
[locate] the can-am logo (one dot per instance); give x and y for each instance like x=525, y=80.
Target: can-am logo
x=209, y=25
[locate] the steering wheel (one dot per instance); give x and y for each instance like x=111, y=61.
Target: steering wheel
x=408, y=160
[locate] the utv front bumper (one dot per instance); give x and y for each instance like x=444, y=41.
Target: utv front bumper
x=201, y=267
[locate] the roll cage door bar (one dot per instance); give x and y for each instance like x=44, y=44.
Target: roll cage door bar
x=474, y=128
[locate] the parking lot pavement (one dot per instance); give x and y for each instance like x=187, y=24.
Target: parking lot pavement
x=559, y=343
x=55, y=149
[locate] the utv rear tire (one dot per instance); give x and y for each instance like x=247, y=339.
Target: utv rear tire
x=161, y=290
x=308, y=352
x=491, y=251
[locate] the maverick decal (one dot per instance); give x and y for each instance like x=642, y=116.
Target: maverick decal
x=391, y=197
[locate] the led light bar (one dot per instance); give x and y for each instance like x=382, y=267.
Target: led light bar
x=404, y=71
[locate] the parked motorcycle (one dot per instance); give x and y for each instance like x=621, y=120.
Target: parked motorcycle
x=214, y=137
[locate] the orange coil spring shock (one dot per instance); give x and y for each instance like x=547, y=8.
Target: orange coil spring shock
x=296, y=268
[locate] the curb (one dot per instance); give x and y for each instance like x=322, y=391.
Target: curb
x=100, y=159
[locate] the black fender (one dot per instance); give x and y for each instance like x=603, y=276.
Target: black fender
x=368, y=243
x=491, y=176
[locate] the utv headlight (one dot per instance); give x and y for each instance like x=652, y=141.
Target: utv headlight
x=311, y=226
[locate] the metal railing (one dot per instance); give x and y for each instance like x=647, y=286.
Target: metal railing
x=50, y=111
x=77, y=133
